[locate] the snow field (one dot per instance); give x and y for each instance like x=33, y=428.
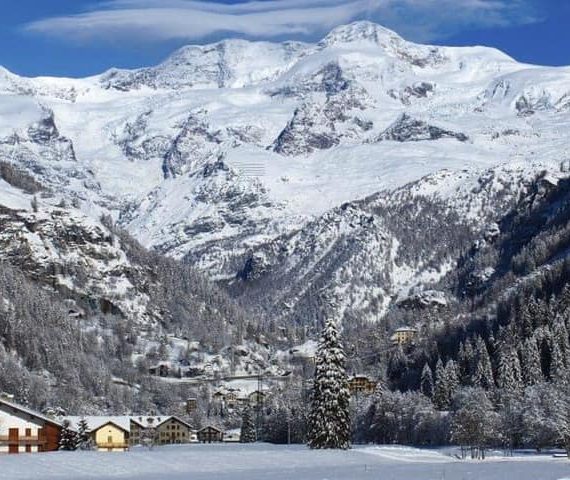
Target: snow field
x=264, y=461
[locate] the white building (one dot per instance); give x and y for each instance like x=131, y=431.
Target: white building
x=23, y=430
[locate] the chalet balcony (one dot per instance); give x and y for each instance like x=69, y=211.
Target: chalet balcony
x=113, y=445
x=6, y=440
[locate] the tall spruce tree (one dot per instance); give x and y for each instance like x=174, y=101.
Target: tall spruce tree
x=441, y=389
x=67, y=437
x=83, y=439
x=329, y=423
x=557, y=368
x=509, y=376
x=483, y=376
x=426, y=384
x=452, y=374
x=531, y=371
x=247, y=432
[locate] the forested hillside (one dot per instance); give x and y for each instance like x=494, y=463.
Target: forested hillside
x=497, y=356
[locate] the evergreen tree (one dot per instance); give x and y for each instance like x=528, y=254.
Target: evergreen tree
x=247, y=433
x=561, y=337
x=329, y=423
x=427, y=381
x=483, y=376
x=531, y=371
x=509, y=377
x=452, y=374
x=441, y=389
x=463, y=362
x=557, y=368
x=67, y=437
x=83, y=439
x=466, y=375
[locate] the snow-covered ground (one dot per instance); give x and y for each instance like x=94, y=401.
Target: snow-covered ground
x=262, y=461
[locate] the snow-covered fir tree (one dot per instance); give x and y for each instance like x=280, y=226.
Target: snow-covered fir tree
x=441, y=388
x=67, y=437
x=83, y=439
x=483, y=376
x=329, y=423
x=509, y=376
x=557, y=368
x=426, y=385
x=452, y=374
x=247, y=432
x=531, y=370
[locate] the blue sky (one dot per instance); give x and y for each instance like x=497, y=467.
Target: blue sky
x=84, y=37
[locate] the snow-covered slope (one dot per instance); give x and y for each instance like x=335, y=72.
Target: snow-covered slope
x=225, y=149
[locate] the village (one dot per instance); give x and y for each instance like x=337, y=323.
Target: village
x=23, y=430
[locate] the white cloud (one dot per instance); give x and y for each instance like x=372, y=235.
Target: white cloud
x=161, y=20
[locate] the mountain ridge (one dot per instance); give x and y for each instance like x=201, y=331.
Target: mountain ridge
x=211, y=158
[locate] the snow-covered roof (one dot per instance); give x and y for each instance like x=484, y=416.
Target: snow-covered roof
x=242, y=389
x=28, y=411
x=212, y=427
x=360, y=375
x=406, y=329
x=122, y=421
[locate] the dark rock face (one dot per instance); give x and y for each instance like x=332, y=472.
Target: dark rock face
x=526, y=106
x=45, y=130
x=416, y=91
x=408, y=129
x=318, y=125
x=330, y=80
x=194, y=145
x=45, y=135
x=301, y=134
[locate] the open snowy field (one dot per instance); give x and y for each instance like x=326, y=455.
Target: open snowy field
x=263, y=461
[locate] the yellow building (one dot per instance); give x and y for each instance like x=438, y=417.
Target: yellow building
x=111, y=437
x=404, y=335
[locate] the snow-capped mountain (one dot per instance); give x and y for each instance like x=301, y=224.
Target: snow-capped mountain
x=287, y=161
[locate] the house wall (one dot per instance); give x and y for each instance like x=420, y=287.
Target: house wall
x=111, y=439
x=135, y=436
x=9, y=421
x=173, y=431
x=51, y=435
x=209, y=435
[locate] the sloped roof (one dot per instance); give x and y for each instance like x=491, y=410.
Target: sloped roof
x=211, y=427
x=124, y=421
x=28, y=411
x=96, y=422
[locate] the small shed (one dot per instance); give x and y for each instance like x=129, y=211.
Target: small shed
x=210, y=434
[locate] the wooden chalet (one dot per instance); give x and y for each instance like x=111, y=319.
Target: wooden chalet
x=210, y=434
x=23, y=430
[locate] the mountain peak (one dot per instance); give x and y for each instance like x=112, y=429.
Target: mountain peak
x=360, y=31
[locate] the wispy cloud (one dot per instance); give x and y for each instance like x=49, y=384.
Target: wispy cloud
x=162, y=20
